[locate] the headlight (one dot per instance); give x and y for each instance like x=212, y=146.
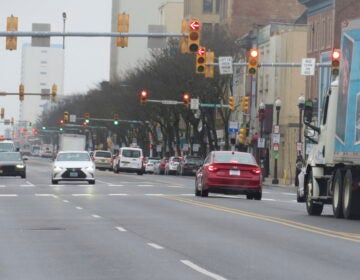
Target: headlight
x=90, y=168
x=20, y=166
x=57, y=168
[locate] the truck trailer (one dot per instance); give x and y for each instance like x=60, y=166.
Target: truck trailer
x=331, y=174
x=72, y=142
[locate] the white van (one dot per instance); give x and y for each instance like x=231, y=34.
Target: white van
x=129, y=160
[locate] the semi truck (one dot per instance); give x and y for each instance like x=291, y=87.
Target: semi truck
x=331, y=174
x=72, y=142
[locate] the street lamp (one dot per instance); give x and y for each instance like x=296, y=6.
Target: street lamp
x=299, y=158
x=64, y=20
x=277, y=107
x=261, y=119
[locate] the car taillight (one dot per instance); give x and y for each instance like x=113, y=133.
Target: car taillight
x=212, y=168
x=256, y=170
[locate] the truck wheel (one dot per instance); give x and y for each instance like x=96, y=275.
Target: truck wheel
x=350, y=197
x=337, y=195
x=313, y=208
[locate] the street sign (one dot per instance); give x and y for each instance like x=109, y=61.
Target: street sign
x=308, y=66
x=233, y=127
x=170, y=102
x=194, y=104
x=276, y=155
x=299, y=146
x=72, y=118
x=276, y=147
x=261, y=143
x=276, y=138
x=276, y=129
x=225, y=65
x=196, y=147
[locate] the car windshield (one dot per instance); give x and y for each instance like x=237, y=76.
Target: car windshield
x=131, y=153
x=103, y=154
x=194, y=160
x=176, y=159
x=234, y=158
x=10, y=157
x=73, y=157
x=6, y=147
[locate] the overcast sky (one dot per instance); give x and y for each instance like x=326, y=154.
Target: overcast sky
x=86, y=59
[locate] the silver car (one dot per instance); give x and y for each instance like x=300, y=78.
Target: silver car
x=73, y=166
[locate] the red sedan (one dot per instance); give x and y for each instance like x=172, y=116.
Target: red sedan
x=229, y=172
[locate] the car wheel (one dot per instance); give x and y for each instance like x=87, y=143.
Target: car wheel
x=139, y=173
x=91, y=182
x=313, y=208
x=204, y=193
x=116, y=168
x=249, y=196
x=54, y=182
x=197, y=192
x=23, y=176
x=258, y=195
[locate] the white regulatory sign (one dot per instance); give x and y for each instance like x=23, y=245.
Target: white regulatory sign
x=225, y=65
x=308, y=66
x=194, y=103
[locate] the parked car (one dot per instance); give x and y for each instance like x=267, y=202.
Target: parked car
x=12, y=164
x=189, y=165
x=229, y=172
x=129, y=160
x=172, y=165
x=102, y=159
x=150, y=164
x=73, y=166
x=159, y=168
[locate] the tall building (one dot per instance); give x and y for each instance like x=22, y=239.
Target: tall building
x=42, y=65
x=124, y=59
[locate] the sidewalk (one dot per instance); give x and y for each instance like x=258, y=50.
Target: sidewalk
x=268, y=183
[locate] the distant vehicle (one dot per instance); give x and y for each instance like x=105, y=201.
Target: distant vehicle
x=129, y=160
x=73, y=166
x=189, y=165
x=25, y=149
x=102, y=159
x=72, y=142
x=46, y=151
x=35, y=150
x=7, y=146
x=229, y=172
x=12, y=164
x=150, y=165
x=172, y=165
x=159, y=168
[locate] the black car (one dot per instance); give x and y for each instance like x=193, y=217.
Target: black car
x=189, y=165
x=12, y=164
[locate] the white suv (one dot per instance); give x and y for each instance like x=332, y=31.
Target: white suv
x=129, y=160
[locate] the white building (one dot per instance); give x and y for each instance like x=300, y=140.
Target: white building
x=41, y=67
x=141, y=15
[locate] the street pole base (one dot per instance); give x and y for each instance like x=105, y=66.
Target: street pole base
x=275, y=181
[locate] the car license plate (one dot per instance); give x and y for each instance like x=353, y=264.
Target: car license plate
x=73, y=174
x=234, y=172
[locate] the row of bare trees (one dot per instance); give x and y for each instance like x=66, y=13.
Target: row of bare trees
x=166, y=75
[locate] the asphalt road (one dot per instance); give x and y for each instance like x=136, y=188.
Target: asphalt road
x=128, y=226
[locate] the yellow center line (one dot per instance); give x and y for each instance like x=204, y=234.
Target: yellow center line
x=289, y=223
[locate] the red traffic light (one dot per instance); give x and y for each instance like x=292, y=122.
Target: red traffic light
x=194, y=25
x=143, y=94
x=186, y=99
x=335, y=54
x=61, y=122
x=85, y=124
x=201, y=51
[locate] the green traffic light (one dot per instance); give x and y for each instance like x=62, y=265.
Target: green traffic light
x=61, y=129
x=116, y=122
x=44, y=128
x=87, y=120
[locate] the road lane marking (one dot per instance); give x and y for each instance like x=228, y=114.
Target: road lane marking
x=180, y=187
x=154, y=194
x=111, y=185
x=144, y=185
x=8, y=195
x=288, y=193
x=96, y=216
x=268, y=199
x=354, y=237
x=57, y=185
x=81, y=194
x=29, y=183
x=202, y=270
x=121, y=229
x=45, y=195
x=2, y=186
x=155, y=246
x=117, y=194
x=79, y=208
x=187, y=194
x=66, y=201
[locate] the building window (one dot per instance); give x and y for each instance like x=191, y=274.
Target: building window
x=217, y=8
x=207, y=6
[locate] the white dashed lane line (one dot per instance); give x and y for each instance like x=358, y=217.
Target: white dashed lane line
x=8, y=195
x=156, y=246
x=96, y=216
x=45, y=195
x=66, y=201
x=79, y=208
x=117, y=194
x=81, y=194
x=121, y=229
x=202, y=270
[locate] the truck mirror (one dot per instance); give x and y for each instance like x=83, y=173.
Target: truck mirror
x=308, y=111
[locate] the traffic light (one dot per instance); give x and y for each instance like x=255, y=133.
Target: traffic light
x=85, y=124
x=86, y=118
x=253, y=61
x=66, y=117
x=11, y=25
x=209, y=69
x=242, y=135
x=186, y=99
x=194, y=29
x=232, y=103
x=21, y=92
x=2, y=113
x=53, y=92
x=61, y=122
x=183, y=40
x=335, y=62
x=123, y=27
x=143, y=96
x=116, y=119
x=43, y=128
x=34, y=131
x=200, y=61
x=245, y=104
